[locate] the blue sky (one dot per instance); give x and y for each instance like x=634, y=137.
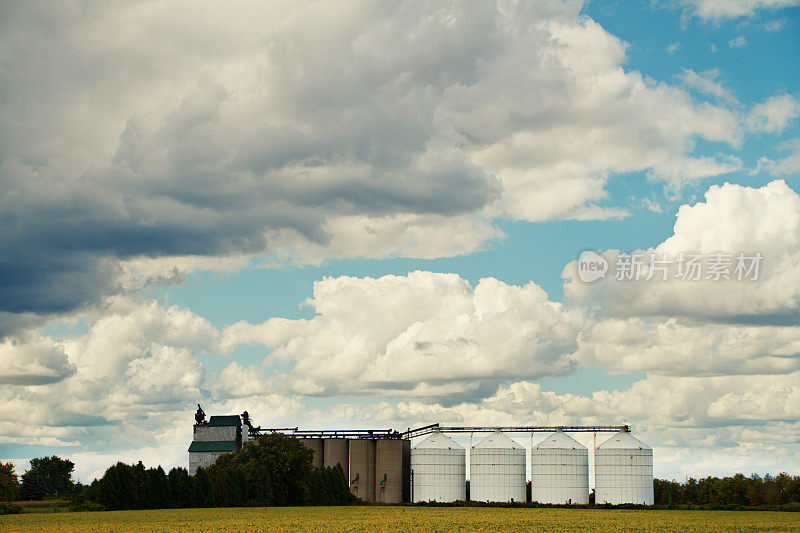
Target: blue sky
x=237, y=225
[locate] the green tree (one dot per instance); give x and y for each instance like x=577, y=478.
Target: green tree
x=276, y=467
x=9, y=484
x=201, y=489
x=328, y=486
x=666, y=492
x=157, y=489
x=47, y=476
x=755, y=490
x=690, y=492
x=33, y=486
x=180, y=487
x=113, y=490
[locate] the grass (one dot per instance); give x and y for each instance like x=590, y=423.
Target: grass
x=397, y=518
x=44, y=506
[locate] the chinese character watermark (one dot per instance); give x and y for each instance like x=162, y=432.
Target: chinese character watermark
x=641, y=266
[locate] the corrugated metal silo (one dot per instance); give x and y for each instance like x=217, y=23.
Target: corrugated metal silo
x=497, y=470
x=389, y=471
x=362, y=469
x=560, y=470
x=336, y=451
x=317, y=446
x=440, y=469
x=623, y=471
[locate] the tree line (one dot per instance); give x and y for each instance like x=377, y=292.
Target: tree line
x=732, y=491
x=273, y=470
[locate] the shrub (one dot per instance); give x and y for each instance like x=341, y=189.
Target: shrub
x=9, y=508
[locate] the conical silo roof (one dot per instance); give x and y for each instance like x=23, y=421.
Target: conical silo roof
x=561, y=441
x=439, y=441
x=623, y=441
x=498, y=440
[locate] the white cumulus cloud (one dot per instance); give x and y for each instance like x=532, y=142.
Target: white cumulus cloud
x=733, y=220
x=774, y=114
x=717, y=10
x=424, y=334
x=32, y=360
x=785, y=166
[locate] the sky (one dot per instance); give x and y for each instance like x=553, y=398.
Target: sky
x=384, y=215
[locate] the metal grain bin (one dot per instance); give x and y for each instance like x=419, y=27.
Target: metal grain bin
x=497, y=470
x=440, y=468
x=560, y=471
x=623, y=471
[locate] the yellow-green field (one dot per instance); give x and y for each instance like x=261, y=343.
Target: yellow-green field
x=402, y=519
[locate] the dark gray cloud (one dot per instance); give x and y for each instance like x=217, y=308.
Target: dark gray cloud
x=115, y=147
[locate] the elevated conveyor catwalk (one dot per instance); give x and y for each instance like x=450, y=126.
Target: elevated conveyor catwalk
x=431, y=428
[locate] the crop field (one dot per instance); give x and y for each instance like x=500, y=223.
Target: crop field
x=402, y=519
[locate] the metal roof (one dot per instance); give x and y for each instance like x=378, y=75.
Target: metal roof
x=623, y=441
x=498, y=440
x=560, y=440
x=224, y=420
x=440, y=441
x=213, y=446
